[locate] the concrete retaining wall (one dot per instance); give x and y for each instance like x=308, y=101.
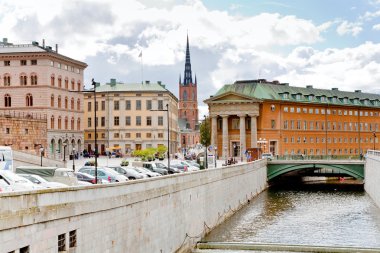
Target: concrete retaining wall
x=165, y=214
x=372, y=176
x=23, y=158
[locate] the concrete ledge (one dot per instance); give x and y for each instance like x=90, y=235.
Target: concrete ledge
x=280, y=247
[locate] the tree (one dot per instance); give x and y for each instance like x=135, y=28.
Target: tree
x=205, y=132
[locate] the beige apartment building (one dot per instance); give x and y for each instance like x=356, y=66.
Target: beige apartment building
x=131, y=117
x=38, y=82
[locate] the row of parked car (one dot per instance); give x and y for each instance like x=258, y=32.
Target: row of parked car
x=30, y=178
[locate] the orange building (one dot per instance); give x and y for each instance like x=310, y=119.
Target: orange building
x=286, y=120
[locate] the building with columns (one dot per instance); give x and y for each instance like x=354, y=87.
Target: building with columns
x=286, y=120
x=37, y=82
x=131, y=116
x=188, y=106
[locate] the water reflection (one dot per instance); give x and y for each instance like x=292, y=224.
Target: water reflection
x=332, y=216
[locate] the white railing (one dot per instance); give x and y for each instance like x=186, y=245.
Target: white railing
x=373, y=152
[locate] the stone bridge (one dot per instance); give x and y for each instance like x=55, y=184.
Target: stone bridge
x=354, y=168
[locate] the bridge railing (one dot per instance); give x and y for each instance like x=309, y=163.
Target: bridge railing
x=373, y=152
x=318, y=157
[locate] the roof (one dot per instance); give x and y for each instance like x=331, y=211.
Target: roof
x=284, y=92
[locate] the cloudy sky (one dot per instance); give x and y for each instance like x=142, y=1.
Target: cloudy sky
x=326, y=44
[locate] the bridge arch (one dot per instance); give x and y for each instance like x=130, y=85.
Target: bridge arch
x=354, y=170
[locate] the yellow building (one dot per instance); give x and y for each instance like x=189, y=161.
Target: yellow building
x=131, y=116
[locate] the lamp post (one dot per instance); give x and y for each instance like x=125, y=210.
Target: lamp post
x=64, y=151
x=42, y=153
x=374, y=140
x=215, y=152
x=73, y=159
x=96, y=138
x=206, y=165
x=167, y=111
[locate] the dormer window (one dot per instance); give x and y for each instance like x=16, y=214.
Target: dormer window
x=323, y=99
x=375, y=102
x=334, y=99
x=285, y=95
x=345, y=100
x=311, y=97
x=356, y=101
x=366, y=102
x=298, y=96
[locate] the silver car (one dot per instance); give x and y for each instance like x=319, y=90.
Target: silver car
x=129, y=172
x=104, y=173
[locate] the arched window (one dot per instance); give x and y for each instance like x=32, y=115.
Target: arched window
x=52, y=100
x=185, y=95
x=7, y=100
x=23, y=80
x=7, y=80
x=78, y=84
x=52, y=122
x=66, y=123
x=72, y=103
x=72, y=123
x=66, y=102
x=33, y=79
x=59, y=82
x=73, y=84
x=52, y=80
x=78, y=104
x=59, y=122
x=59, y=102
x=29, y=99
x=78, y=124
x=66, y=83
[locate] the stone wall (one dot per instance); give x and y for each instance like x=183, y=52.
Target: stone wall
x=23, y=133
x=372, y=176
x=164, y=214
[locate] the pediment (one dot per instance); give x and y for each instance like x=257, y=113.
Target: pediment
x=231, y=97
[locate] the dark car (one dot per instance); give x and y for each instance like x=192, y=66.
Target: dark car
x=170, y=170
x=87, y=177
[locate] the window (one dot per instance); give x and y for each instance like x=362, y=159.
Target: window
x=292, y=109
x=52, y=122
x=148, y=135
x=7, y=100
x=88, y=122
x=29, y=100
x=160, y=120
x=149, y=104
x=79, y=86
x=89, y=106
x=7, y=63
x=127, y=135
x=149, y=121
x=102, y=121
x=285, y=124
x=59, y=82
x=115, y=135
x=272, y=108
x=72, y=85
x=128, y=105
x=285, y=96
x=96, y=106
x=33, y=79
x=115, y=105
x=311, y=97
x=128, y=121
x=96, y=121
x=116, y=121
x=7, y=80
x=298, y=96
x=138, y=104
x=160, y=135
x=138, y=135
x=286, y=109
x=66, y=102
x=184, y=95
x=78, y=124
x=33, y=62
x=66, y=83
x=61, y=242
x=7, y=130
x=273, y=124
x=138, y=120
x=23, y=80
x=160, y=105
x=66, y=123
x=73, y=239
x=78, y=104
x=235, y=123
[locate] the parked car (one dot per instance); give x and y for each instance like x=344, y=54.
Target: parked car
x=84, y=177
x=104, y=173
x=52, y=174
x=4, y=186
x=180, y=167
x=268, y=156
x=146, y=172
x=18, y=183
x=188, y=165
x=193, y=163
x=41, y=181
x=171, y=170
x=150, y=166
x=128, y=172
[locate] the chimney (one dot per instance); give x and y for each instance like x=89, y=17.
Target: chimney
x=147, y=82
x=5, y=40
x=358, y=91
x=43, y=42
x=159, y=82
x=113, y=81
x=309, y=86
x=56, y=48
x=334, y=88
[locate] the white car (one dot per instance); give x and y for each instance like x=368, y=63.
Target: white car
x=188, y=165
x=17, y=182
x=41, y=181
x=268, y=156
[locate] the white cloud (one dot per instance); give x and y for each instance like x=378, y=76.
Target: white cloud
x=349, y=28
x=376, y=27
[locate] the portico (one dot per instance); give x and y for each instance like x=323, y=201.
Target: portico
x=233, y=124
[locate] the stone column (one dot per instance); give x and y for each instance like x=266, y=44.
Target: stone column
x=214, y=132
x=253, y=131
x=225, y=137
x=242, y=136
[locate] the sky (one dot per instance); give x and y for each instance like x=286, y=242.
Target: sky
x=334, y=43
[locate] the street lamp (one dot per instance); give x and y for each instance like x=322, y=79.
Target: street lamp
x=374, y=140
x=206, y=165
x=215, y=153
x=42, y=153
x=64, y=151
x=73, y=159
x=96, y=138
x=167, y=111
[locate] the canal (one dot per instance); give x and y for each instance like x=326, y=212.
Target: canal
x=305, y=214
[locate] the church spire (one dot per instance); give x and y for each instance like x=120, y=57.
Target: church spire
x=187, y=79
